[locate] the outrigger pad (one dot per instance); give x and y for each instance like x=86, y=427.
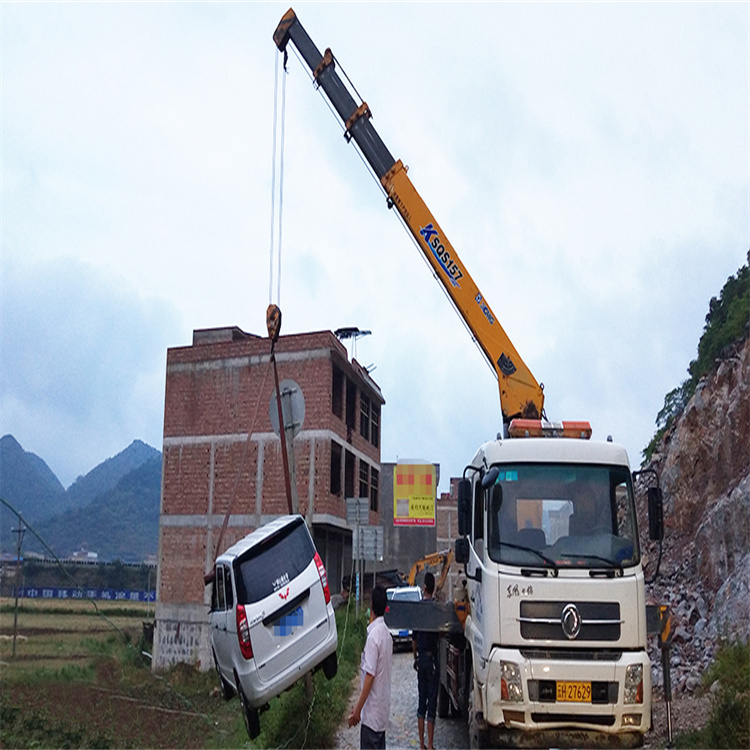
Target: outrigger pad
x=435, y=617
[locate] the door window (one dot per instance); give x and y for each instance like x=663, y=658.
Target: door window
x=218, y=593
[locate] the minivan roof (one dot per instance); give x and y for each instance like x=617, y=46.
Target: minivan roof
x=257, y=536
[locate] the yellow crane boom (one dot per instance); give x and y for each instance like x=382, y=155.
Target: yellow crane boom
x=520, y=394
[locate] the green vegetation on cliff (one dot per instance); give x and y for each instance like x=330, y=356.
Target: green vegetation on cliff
x=727, y=322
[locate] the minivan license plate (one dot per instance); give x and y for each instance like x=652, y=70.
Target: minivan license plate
x=285, y=626
x=573, y=692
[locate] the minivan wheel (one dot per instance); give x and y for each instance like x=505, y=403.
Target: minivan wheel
x=226, y=688
x=330, y=666
x=250, y=715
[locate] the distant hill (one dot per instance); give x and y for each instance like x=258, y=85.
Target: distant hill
x=125, y=481
x=106, y=476
x=122, y=523
x=26, y=481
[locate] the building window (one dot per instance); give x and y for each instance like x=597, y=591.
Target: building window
x=374, y=489
x=351, y=404
x=375, y=424
x=364, y=416
x=337, y=388
x=335, y=468
x=349, y=474
x=364, y=478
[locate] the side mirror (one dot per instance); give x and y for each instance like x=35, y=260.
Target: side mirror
x=490, y=477
x=655, y=513
x=462, y=550
x=464, y=507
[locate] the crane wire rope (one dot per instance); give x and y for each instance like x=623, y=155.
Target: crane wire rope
x=377, y=181
x=304, y=67
x=277, y=159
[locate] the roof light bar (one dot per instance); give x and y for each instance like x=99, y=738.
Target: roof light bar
x=542, y=428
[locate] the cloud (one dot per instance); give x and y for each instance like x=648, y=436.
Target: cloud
x=83, y=363
x=589, y=163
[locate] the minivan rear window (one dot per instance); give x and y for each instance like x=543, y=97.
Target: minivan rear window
x=273, y=563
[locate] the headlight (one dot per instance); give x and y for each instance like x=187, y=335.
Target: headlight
x=511, y=688
x=634, y=684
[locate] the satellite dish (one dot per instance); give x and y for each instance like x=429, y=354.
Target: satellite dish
x=292, y=407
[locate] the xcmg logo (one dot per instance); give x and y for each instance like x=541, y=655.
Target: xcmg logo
x=432, y=238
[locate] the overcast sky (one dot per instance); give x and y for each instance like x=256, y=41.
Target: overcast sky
x=589, y=163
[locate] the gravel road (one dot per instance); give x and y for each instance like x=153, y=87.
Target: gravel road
x=402, y=728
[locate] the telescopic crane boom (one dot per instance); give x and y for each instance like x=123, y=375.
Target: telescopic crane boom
x=520, y=394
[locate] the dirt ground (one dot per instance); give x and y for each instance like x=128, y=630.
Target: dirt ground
x=689, y=713
x=105, y=714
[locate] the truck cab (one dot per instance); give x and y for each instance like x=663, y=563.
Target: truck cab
x=556, y=632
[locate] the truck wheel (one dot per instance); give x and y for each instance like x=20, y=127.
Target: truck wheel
x=250, y=715
x=443, y=702
x=478, y=734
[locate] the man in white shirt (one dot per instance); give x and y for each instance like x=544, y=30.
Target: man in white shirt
x=373, y=706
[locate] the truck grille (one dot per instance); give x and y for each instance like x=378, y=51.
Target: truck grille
x=567, y=621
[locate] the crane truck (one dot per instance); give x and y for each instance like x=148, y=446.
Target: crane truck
x=550, y=647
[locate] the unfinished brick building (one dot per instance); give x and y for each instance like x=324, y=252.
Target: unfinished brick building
x=215, y=389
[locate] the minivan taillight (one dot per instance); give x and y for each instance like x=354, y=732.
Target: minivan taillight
x=323, y=577
x=243, y=632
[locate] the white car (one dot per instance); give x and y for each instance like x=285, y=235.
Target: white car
x=403, y=593
x=271, y=615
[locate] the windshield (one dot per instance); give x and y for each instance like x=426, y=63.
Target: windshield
x=562, y=515
x=410, y=595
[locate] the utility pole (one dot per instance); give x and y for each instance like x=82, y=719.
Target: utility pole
x=21, y=530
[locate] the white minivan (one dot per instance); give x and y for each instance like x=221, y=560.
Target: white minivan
x=271, y=615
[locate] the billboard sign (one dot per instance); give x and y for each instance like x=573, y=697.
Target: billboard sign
x=414, y=494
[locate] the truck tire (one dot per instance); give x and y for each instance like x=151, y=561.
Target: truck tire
x=478, y=733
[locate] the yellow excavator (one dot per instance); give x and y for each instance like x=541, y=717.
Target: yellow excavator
x=443, y=559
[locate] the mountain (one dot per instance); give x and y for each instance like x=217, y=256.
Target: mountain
x=702, y=455
x=106, y=475
x=122, y=523
x=26, y=482
x=125, y=482
x=29, y=485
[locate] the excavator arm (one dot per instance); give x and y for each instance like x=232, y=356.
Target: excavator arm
x=520, y=394
x=444, y=559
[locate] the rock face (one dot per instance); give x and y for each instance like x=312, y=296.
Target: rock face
x=704, y=465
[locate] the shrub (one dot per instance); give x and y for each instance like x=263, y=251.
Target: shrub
x=729, y=723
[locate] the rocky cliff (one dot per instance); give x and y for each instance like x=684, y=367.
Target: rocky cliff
x=704, y=465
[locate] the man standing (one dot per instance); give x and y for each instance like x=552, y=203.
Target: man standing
x=425, y=648
x=373, y=706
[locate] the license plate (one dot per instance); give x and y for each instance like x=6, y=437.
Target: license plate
x=573, y=692
x=285, y=626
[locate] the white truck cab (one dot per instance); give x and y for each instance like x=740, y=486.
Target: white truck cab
x=556, y=630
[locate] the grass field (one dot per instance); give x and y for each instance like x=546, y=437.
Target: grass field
x=53, y=633
x=79, y=679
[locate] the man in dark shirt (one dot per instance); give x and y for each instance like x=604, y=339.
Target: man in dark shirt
x=425, y=647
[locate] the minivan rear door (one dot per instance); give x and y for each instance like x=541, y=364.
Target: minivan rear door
x=279, y=583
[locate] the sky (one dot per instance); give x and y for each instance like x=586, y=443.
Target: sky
x=588, y=161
